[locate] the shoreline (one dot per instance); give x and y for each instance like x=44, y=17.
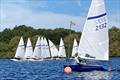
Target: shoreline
x=67, y=58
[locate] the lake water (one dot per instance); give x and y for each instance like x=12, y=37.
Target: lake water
x=53, y=70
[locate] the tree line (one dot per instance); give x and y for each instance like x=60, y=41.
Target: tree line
x=9, y=38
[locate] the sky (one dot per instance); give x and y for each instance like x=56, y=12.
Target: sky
x=51, y=14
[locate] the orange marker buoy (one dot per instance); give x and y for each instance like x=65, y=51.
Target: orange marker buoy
x=109, y=69
x=67, y=69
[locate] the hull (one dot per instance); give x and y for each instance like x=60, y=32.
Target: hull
x=17, y=60
x=80, y=68
x=35, y=59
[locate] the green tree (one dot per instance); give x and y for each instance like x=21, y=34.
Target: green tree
x=9, y=38
x=14, y=43
x=34, y=40
x=69, y=42
x=114, y=40
x=6, y=35
x=3, y=47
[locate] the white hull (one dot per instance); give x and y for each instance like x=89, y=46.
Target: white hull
x=35, y=59
x=18, y=60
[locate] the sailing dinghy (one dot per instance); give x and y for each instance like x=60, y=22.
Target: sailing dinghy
x=46, y=49
x=53, y=50
x=61, y=53
x=42, y=46
x=29, y=50
x=75, y=48
x=94, y=42
x=36, y=54
x=20, y=52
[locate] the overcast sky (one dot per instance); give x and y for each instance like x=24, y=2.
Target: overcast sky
x=52, y=14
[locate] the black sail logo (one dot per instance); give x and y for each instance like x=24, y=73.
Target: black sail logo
x=89, y=56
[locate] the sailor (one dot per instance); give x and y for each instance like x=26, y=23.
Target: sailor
x=78, y=59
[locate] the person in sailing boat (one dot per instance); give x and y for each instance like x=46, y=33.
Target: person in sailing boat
x=79, y=60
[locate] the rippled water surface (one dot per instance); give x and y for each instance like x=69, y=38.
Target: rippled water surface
x=53, y=70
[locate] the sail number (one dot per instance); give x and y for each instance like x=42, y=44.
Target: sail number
x=98, y=27
x=101, y=23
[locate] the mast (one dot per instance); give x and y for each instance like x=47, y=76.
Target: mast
x=71, y=24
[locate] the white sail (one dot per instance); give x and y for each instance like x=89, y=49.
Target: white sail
x=53, y=49
x=37, y=50
x=42, y=47
x=20, y=52
x=94, y=41
x=75, y=48
x=46, y=49
x=29, y=49
x=61, y=52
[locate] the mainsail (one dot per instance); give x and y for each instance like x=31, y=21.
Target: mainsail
x=20, y=52
x=75, y=48
x=42, y=46
x=94, y=43
x=53, y=49
x=46, y=49
x=29, y=49
x=61, y=52
x=37, y=50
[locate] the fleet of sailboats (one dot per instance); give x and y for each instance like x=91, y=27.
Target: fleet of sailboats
x=43, y=50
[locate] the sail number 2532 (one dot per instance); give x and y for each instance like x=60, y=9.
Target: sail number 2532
x=101, y=23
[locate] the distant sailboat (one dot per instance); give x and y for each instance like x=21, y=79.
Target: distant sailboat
x=42, y=46
x=20, y=52
x=36, y=55
x=75, y=48
x=61, y=53
x=94, y=42
x=29, y=50
x=53, y=49
x=46, y=49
